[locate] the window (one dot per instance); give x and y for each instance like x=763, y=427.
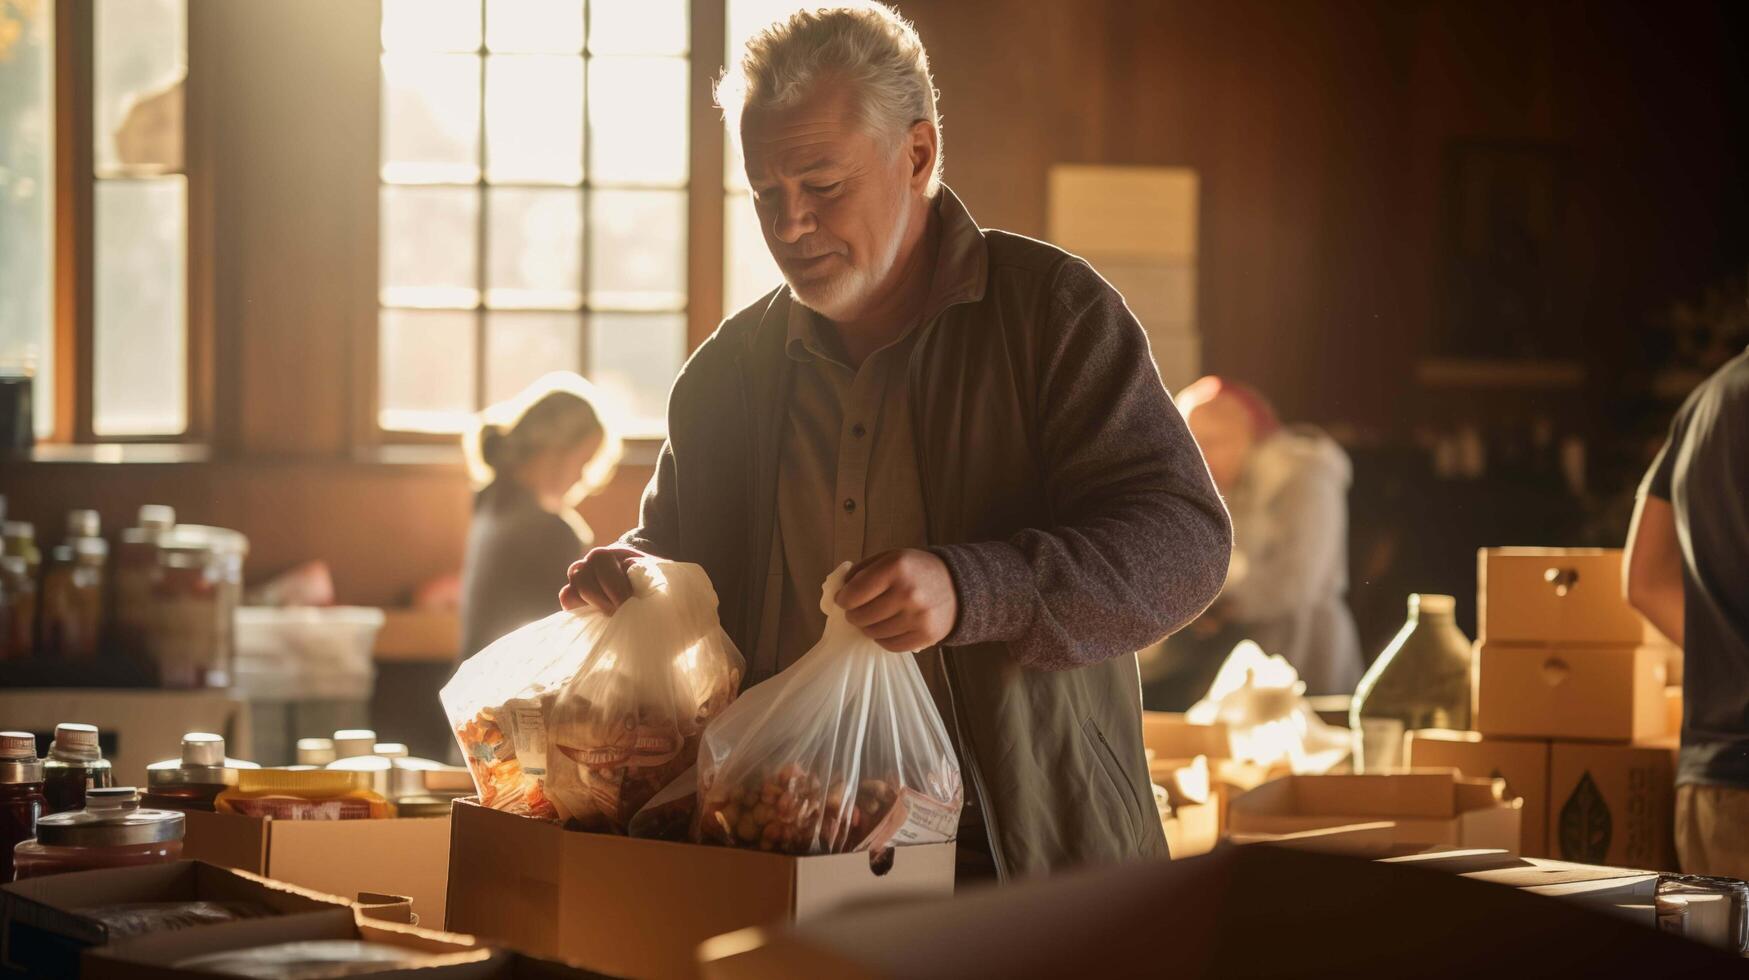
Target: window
x=27, y=140
x=749, y=271
x=533, y=203
x=139, y=303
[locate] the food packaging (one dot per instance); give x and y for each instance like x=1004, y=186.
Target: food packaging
x=312, y=794
x=843, y=751
x=582, y=717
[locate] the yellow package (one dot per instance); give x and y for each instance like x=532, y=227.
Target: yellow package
x=309, y=794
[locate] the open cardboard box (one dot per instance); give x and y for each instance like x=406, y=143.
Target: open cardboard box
x=401, y=857
x=1523, y=763
x=444, y=956
x=1605, y=693
x=1602, y=887
x=1169, y=736
x=1434, y=807
x=43, y=933
x=633, y=907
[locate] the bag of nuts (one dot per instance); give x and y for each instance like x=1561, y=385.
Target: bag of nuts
x=581, y=717
x=843, y=751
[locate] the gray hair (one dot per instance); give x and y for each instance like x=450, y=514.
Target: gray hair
x=866, y=44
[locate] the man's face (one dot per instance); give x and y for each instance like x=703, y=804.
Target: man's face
x=1222, y=429
x=834, y=201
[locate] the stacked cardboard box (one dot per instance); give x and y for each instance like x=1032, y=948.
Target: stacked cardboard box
x=1571, y=708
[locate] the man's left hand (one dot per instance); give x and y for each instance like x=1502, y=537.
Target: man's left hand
x=903, y=599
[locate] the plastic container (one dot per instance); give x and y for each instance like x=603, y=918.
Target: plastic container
x=315, y=794
x=315, y=752
x=193, y=780
x=21, y=795
x=306, y=654
x=352, y=742
x=75, y=765
x=112, y=831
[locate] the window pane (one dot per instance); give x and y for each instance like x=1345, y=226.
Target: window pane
x=637, y=250
x=141, y=54
x=426, y=370
x=534, y=118
x=428, y=239
x=431, y=25
x=637, y=121
x=749, y=271
x=431, y=118
x=27, y=143
x=747, y=16
x=541, y=26
x=521, y=347
x=638, y=26
x=633, y=357
x=140, y=309
x=534, y=248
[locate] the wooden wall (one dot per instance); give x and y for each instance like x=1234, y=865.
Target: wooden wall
x=1320, y=131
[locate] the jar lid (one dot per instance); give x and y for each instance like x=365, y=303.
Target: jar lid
x=18, y=529
x=390, y=750
x=84, y=524
x=112, y=817
x=157, y=517
x=75, y=741
x=203, y=761
x=315, y=751
x=91, y=548
x=18, y=761
x=349, y=742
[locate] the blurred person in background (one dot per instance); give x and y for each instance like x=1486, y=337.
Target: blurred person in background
x=1687, y=571
x=1287, y=489
x=533, y=458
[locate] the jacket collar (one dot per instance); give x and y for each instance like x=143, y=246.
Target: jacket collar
x=962, y=274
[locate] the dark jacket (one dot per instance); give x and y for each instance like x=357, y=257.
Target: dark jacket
x=1061, y=488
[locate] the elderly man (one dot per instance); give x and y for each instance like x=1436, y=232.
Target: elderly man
x=971, y=416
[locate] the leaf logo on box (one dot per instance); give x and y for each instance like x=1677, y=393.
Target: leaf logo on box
x=1585, y=824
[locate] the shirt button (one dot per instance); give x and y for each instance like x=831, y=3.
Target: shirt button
x=858, y=430
x=849, y=505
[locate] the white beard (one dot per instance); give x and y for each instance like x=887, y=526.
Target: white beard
x=841, y=297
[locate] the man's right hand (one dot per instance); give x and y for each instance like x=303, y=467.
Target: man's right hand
x=599, y=580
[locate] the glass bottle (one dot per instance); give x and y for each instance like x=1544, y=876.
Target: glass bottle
x=21, y=794
x=19, y=540
x=75, y=764
x=1421, y=680
x=83, y=524
x=18, y=593
x=111, y=831
x=192, y=780
x=136, y=569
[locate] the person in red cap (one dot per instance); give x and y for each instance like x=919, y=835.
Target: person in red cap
x=1287, y=489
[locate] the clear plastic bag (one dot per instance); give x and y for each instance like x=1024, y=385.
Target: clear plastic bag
x=844, y=751
x=581, y=717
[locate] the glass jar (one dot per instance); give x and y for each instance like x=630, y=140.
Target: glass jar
x=75, y=765
x=112, y=831
x=136, y=570
x=195, y=778
x=1421, y=680
x=18, y=539
x=195, y=594
x=21, y=794
x=17, y=609
x=72, y=600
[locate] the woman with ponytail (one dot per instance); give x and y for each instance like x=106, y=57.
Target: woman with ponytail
x=533, y=459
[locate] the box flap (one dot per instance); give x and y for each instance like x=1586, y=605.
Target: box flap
x=1396, y=795
x=401, y=857
x=226, y=839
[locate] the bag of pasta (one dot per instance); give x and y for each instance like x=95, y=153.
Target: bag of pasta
x=581, y=717
x=843, y=751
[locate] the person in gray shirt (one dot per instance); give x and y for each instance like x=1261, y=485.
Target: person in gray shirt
x=1687, y=571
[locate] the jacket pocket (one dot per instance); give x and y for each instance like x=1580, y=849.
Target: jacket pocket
x=1114, y=774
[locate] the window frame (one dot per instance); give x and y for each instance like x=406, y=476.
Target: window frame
x=704, y=224
x=73, y=330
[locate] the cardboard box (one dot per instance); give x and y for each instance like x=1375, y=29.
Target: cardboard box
x=1194, y=828
x=1613, y=804
x=1600, y=887
x=135, y=728
x=342, y=857
x=1613, y=694
x=1673, y=711
x=1522, y=763
x=1169, y=736
x=1556, y=595
x=640, y=908
x=452, y=956
x=1426, y=807
x=42, y=933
